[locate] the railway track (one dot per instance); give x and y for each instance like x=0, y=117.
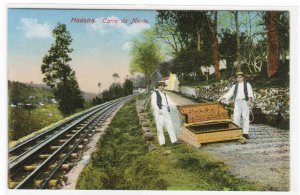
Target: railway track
x=38, y=162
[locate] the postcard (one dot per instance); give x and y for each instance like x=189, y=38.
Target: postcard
x=149, y=99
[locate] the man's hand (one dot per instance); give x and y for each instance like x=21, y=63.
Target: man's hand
x=250, y=102
x=221, y=99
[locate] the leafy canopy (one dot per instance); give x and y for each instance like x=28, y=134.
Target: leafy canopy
x=59, y=75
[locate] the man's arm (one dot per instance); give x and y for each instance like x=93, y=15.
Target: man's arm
x=250, y=94
x=227, y=95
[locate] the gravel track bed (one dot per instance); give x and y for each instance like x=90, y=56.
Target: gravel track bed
x=265, y=158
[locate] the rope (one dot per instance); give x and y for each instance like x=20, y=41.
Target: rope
x=251, y=115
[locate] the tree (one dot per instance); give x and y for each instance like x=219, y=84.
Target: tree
x=253, y=46
x=164, y=68
x=181, y=29
x=252, y=39
x=106, y=95
x=115, y=77
x=15, y=90
x=145, y=57
x=59, y=75
x=283, y=33
x=273, y=40
x=139, y=81
x=190, y=40
x=116, y=90
x=238, y=41
x=166, y=31
x=227, y=47
x=215, y=45
x=99, y=85
x=187, y=65
x=128, y=87
x=255, y=55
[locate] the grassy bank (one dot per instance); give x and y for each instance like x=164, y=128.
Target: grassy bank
x=123, y=162
x=43, y=118
x=23, y=122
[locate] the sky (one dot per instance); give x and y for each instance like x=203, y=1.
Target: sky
x=101, y=45
x=100, y=48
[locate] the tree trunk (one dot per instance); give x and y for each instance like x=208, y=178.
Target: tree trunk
x=238, y=42
x=273, y=53
x=198, y=39
x=148, y=83
x=215, y=47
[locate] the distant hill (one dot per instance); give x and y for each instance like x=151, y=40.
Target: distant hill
x=37, y=85
x=86, y=95
x=19, y=92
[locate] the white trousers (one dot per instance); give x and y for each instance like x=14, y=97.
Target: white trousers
x=241, y=110
x=162, y=121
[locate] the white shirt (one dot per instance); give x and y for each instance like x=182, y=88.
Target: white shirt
x=240, y=92
x=163, y=100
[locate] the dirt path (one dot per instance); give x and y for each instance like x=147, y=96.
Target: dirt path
x=265, y=158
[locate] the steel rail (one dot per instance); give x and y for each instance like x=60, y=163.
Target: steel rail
x=51, y=158
x=101, y=114
x=29, y=141
x=53, y=171
x=25, y=155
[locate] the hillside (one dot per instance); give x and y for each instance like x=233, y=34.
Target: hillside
x=23, y=119
x=27, y=93
x=19, y=92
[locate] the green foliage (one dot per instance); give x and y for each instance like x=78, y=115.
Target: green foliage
x=23, y=122
x=69, y=96
x=115, y=76
x=122, y=144
x=128, y=87
x=20, y=92
x=283, y=28
x=187, y=35
x=182, y=30
x=123, y=162
x=106, y=96
x=145, y=174
x=187, y=65
x=227, y=46
x=164, y=69
x=284, y=34
x=145, y=56
x=279, y=79
x=116, y=90
x=58, y=73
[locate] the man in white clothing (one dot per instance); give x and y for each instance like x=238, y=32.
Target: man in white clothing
x=160, y=105
x=243, y=95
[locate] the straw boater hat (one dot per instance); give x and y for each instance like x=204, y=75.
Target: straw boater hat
x=161, y=83
x=239, y=74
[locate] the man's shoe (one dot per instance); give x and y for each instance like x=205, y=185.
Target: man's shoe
x=177, y=142
x=246, y=136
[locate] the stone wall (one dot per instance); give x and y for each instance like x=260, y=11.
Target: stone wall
x=273, y=102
